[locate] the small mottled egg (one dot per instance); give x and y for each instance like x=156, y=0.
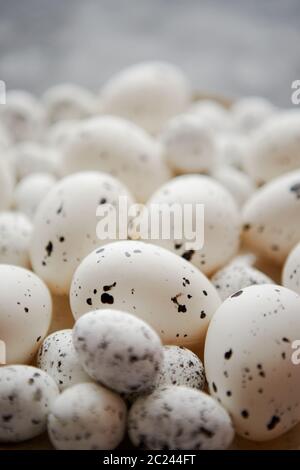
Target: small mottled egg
x=188, y=145
x=291, y=270
x=26, y=395
x=159, y=287
x=25, y=313
x=87, y=417
x=213, y=113
x=236, y=276
x=236, y=182
x=118, y=350
x=149, y=94
x=248, y=360
x=179, y=418
x=66, y=225
x=68, y=101
x=180, y=367
x=271, y=218
x=117, y=147
x=30, y=192
x=6, y=185
x=58, y=358
x=220, y=223
x=22, y=116
x=32, y=157
x=275, y=148
x=249, y=113
x=15, y=234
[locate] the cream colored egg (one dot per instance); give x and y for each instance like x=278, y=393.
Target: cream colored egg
x=249, y=360
x=25, y=313
x=291, y=270
x=159, y=287
x=66, y=223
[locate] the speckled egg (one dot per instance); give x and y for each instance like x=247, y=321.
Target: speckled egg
x=58, y=358
x=250, y=112
x=65, y=226
x=118, y=350
x=15, y=234
x=87, y=417
x=68, y=101
x=179, y=418
x=149, y=94
x=22, y=116
x=236, y=276
x=220, y=225
x=236, y=182
x=32, y=157
x=291, y=270
x=180, y=367
x=118, y=147
x=25, y=313
x=271, y=218
x=6, y=185
x=188, y=145
x=159, y=287
x=248, y=360
x=26, y=395
x=30, y=192
x=275, y=148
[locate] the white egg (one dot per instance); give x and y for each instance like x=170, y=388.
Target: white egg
x=26, y=395
x=154, y=284
x=188, y=145
x=58, y=358
x=22, y=116
x=68, y=101
x=291, y=270
x=31, y=157
x=31, y=191
x=213, y=113
x=15, y=234
x=236, y=276
x=118, y=350
x=275, y=148
x=249, y=113
x=65, y=225
x=5, y=140
x=220, y=224
x=231, y=149
x=25, y=313
x=271, y=218
x=179, y=418
x=236, y=182
x=87, y=417
x=248, y=360
x=6, y=184
x=59, y=133
x=149, y=94
x=118, y=147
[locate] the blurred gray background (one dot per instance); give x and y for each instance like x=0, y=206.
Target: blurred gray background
x=229, y=47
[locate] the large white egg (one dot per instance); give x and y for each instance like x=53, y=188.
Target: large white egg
x=25, y=313
x=149, y=94
x=291, y=270
x=118, y=147
x=65, y=225
x=159, y=287
x=31, y=191
x=220, y=224
x=15, y=234
x=249, y=360
x=271, y=218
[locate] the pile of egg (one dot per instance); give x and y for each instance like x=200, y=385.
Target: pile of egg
x=173, y=348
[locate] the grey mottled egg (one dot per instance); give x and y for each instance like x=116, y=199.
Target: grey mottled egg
x=58, y=358
x=236, y=276
x=248, y=360
x=15, y=235
x=118, y=350
x=87, y=417
x=179, y=418
x=26, y=395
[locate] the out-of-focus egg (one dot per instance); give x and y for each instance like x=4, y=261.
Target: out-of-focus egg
x=213, y=113
x=15, y=234
x=161, y=288
x=65, y=225
x=291, y=270
x=59, y=133
x=149, y=94
x=249, y=113
x=236, y=182
x=248, y=360
x=31, y=157
x=271, y=218
x=25, y=313
x=31, y=191
x=6, y=184
x=231, y=149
